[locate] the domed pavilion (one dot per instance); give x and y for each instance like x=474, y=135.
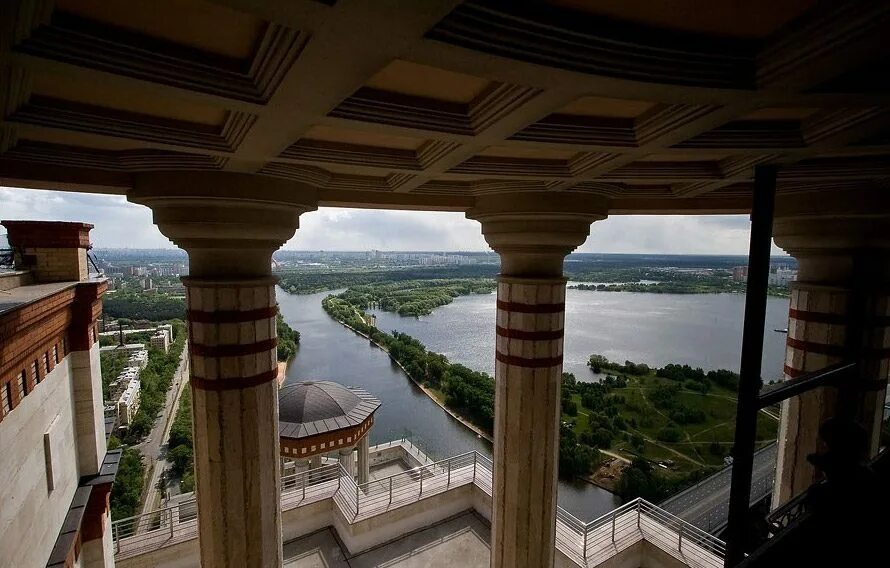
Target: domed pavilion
x=316, y=418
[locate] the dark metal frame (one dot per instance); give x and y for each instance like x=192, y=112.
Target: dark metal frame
x=752, y=355
x=844, y=375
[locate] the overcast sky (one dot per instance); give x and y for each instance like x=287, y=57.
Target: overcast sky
x=121, y=224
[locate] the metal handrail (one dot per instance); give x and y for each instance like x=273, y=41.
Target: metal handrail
x=829, y=376
x=602, y=537
x=418, y=469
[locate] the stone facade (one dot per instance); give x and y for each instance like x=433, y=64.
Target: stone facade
x=52, y=431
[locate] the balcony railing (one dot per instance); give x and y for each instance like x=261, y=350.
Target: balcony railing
x=587, y=544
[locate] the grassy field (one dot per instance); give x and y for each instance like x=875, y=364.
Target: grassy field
x=703, y=444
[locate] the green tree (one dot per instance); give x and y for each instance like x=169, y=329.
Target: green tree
x=126, y=493
x=598, y=362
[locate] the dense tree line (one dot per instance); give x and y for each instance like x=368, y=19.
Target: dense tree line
x=599, y=364
x=575, y=458
x=695, y=379
x=469, y=392
x=414, y=297
x=180, y=451
x=641, y=479
x=126, y=493
x=288, y=339
x=124, y=303
x=308, y=282
x=698, y=379
x=604, y=424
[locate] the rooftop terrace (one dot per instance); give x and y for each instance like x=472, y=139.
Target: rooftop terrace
x=436, y=512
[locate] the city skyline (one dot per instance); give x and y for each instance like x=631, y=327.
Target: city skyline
x=120, y=224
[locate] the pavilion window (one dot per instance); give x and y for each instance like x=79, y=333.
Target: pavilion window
x=56, y=354
x=35, y=372
x=6, y=398
x=22, y=384
x=45, y=364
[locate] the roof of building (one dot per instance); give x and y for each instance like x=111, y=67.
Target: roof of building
x=309, y=408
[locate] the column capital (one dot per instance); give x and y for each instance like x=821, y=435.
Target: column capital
x=533, y=232
x=230, y=223
x=820, y=223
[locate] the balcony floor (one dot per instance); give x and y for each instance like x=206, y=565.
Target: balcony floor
x=459, y=541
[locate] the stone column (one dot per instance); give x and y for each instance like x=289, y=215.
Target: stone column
x=301, y=465
x=230, y=224
x=839, y=311
x=364, y=466
x=347, y=460
x=315, y=462
x=532, y=234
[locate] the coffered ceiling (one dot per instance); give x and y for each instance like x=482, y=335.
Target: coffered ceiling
x=658, y=106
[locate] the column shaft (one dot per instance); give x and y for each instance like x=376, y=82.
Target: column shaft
x=532, y=233
x=347, y=460
x=364, y=467
x=819, y=327
x=235, y=412
x=528, y=374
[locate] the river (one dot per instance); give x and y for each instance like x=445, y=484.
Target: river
x=652, y=328
x=702, y=330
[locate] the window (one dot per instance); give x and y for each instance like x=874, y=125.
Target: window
x=6, y=398
x=56, y=354
x=45, y=364
x=22, y=384
x=35, y=372
x=64, y=346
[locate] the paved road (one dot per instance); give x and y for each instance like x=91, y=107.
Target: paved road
x=706, y=504
x=154, y=448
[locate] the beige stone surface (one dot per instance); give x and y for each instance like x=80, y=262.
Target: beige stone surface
x=844, y=270
x=31, y=515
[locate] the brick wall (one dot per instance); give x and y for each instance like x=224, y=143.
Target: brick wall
x=52, y=251
x=36, y=337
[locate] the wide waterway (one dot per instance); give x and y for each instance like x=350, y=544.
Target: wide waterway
x=702, y=330
x=329, y=351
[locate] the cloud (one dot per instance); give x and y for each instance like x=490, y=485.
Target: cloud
x=119, y=223
x=365, y=229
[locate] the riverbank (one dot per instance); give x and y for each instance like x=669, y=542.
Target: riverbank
x=608, y=474
x=426, y=390
x=282, y=371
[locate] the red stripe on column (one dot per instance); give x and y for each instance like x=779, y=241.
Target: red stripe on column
x=231, y=316
x=817, y=317
x=530, y=335
x=531, y=308
x=528, y=363
x=792, y=372
x=235, y=383
x=233, y=350
x=820, y=348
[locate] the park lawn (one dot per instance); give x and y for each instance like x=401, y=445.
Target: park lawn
x=582, y=421
x=719, y=406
